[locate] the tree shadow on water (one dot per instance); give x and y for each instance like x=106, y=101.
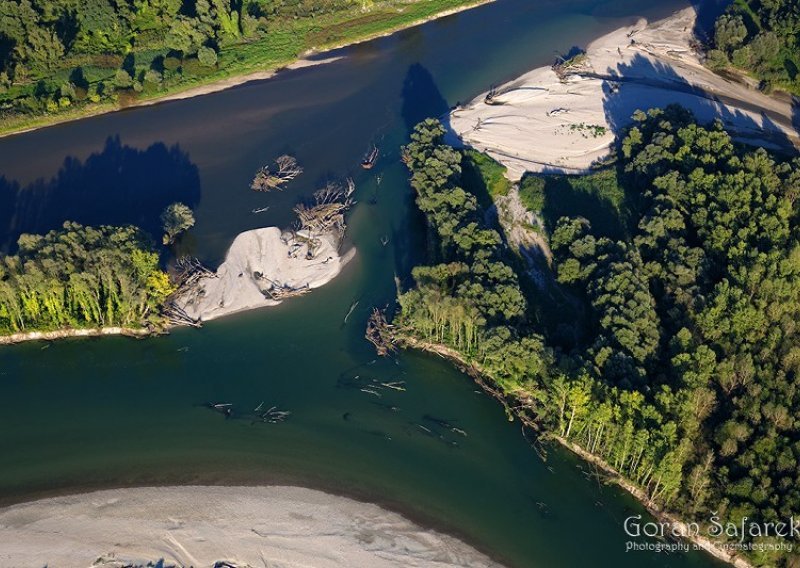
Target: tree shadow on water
x=421, y=97
x=119, y=185
x=707, y=13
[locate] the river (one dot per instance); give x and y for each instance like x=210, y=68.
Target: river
x=83, y=414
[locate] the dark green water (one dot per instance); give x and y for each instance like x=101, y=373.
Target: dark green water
x=83, y=414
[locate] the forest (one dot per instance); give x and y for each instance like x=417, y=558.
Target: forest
x=67, y=57
x=681, y=371
x=762, y=38
x=80, y=276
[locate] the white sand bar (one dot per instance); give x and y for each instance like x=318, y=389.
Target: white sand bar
x=286, y=527
x=257, y=261
x=541, y=122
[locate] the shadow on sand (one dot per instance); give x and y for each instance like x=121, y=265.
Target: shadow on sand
x=643, y=84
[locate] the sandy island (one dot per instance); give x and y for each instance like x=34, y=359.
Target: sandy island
x=290, y=527
x=545, y=122
x=258, y=264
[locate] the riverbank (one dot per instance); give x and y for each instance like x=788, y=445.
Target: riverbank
x=243, y=526
x=517, y=406
x=262, y=268
x=65, y=333
x=567, y=119
x=343, y=32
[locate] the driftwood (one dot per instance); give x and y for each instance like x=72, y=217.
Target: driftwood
x=177, y=316
x=278, y=291
x=490, y=96
x=370, y=158
x=405, y=156
x=370, y=385
x=267, y=178
x=189, y=269
x=379, y=333
x=324, y=214
x=188, y=272
x=271, y=416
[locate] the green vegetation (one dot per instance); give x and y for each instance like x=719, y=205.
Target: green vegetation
x=598, y=197
x=762, y=39
x=587, y=130
x=176, y=219
x=81, y=277
x=478, y=166
x=63, y=59
x=471, y=299
x=683, y=373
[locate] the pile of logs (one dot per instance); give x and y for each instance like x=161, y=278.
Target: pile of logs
x=325, y=212
x=267, y=178
x=379, y=333
x=188, y=271
x=278, y=291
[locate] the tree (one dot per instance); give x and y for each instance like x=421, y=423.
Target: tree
x=175, y=219
x=729, y=32
x=123, y=79
x=207, y=56
x=79, y=277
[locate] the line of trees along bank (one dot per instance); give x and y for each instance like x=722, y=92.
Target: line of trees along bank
x=686, y=381
x=81, y=277
x=70, y=56
x=55, y=54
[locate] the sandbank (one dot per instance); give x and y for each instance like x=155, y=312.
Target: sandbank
x=198, y=526
x=257, y=263
x=565, y=122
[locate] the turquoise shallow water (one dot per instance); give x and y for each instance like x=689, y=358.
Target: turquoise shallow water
x=83, y=414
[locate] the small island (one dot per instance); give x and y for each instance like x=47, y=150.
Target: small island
x=262, y=268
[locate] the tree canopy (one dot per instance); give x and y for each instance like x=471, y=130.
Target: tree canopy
x=64, y=55
x=685, y=377
x=81, y=277
x=762, y=38
x=176, y=219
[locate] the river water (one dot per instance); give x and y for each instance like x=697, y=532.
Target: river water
x=83, y=414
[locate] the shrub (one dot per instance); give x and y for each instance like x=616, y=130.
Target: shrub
x=531, y=192
x=207, y=56
x=153, y=77
x=123, y=79
x=171, y=63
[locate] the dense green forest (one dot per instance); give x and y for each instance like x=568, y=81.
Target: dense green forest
x=763, y=38
x=69, y=57
x=682, y=370
x=81, y=277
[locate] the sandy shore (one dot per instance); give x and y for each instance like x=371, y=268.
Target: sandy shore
x=290, y=527
x=64, y=333
x=234, y=81
x=259, y=261
x=545, y=122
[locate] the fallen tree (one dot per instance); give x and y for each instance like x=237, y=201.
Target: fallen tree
x=284, y=170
